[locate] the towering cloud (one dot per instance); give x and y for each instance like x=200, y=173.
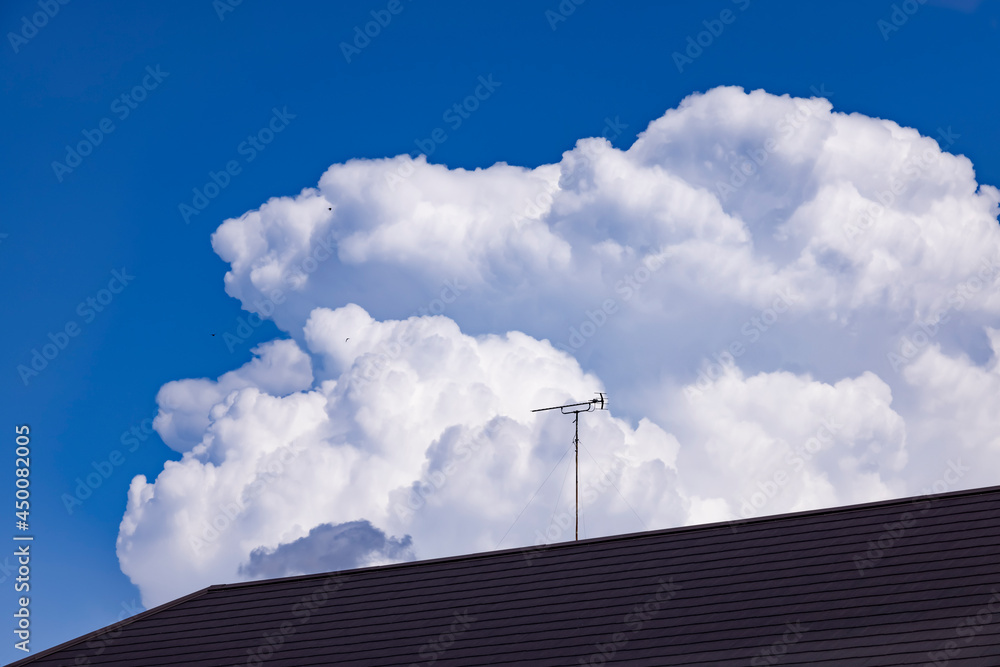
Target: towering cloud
x=791, y=308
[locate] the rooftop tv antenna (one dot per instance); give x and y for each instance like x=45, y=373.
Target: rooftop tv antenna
x=575, y=409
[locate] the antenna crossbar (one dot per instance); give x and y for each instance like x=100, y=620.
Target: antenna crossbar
x=586, y=406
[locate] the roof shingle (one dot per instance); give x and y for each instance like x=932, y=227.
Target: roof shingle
x=902, y=582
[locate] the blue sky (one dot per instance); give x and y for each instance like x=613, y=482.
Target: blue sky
x=205, y=82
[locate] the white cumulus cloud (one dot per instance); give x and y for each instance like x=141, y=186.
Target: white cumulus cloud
x=792, y=307
x=422, y=443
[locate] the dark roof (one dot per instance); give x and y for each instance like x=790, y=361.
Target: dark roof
x=902, y=582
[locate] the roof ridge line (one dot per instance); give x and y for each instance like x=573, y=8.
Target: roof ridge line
x=612, y=538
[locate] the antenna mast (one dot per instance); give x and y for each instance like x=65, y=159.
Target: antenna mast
x=575, y=409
